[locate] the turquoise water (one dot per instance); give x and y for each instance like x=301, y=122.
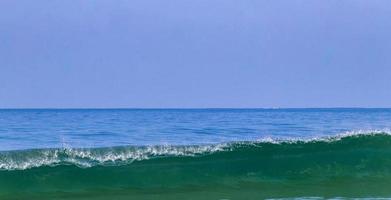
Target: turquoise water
x=195, y=154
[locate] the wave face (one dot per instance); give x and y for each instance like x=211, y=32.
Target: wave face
x=354, y=165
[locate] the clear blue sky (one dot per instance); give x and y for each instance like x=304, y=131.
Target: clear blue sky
x=195, y=53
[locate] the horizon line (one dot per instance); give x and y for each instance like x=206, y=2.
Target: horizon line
x=181, y=108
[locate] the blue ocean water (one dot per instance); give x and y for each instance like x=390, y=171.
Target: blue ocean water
x=91, y=154
x=81, y=128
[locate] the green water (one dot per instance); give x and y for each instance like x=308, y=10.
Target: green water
x=352, y=167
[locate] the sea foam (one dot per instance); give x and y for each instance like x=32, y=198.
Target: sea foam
x=89, y=157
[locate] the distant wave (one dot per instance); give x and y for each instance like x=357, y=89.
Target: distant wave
x=354, y=164
x=89, y=157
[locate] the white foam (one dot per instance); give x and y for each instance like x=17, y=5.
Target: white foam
x=332, y=138
x=26, y=159
x=20, y=160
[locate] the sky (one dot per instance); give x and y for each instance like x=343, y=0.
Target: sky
x=195, y=53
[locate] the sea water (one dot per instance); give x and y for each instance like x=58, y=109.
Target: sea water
x=195, y=153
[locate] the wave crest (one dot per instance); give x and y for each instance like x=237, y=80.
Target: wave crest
x=84, y=158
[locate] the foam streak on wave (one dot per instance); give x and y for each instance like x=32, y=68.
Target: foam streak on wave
x=20, y=160
x=83, y=157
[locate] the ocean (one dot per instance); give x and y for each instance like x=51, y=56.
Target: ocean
x=221, y=154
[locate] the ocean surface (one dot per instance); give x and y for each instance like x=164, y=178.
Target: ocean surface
x=85, y=154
